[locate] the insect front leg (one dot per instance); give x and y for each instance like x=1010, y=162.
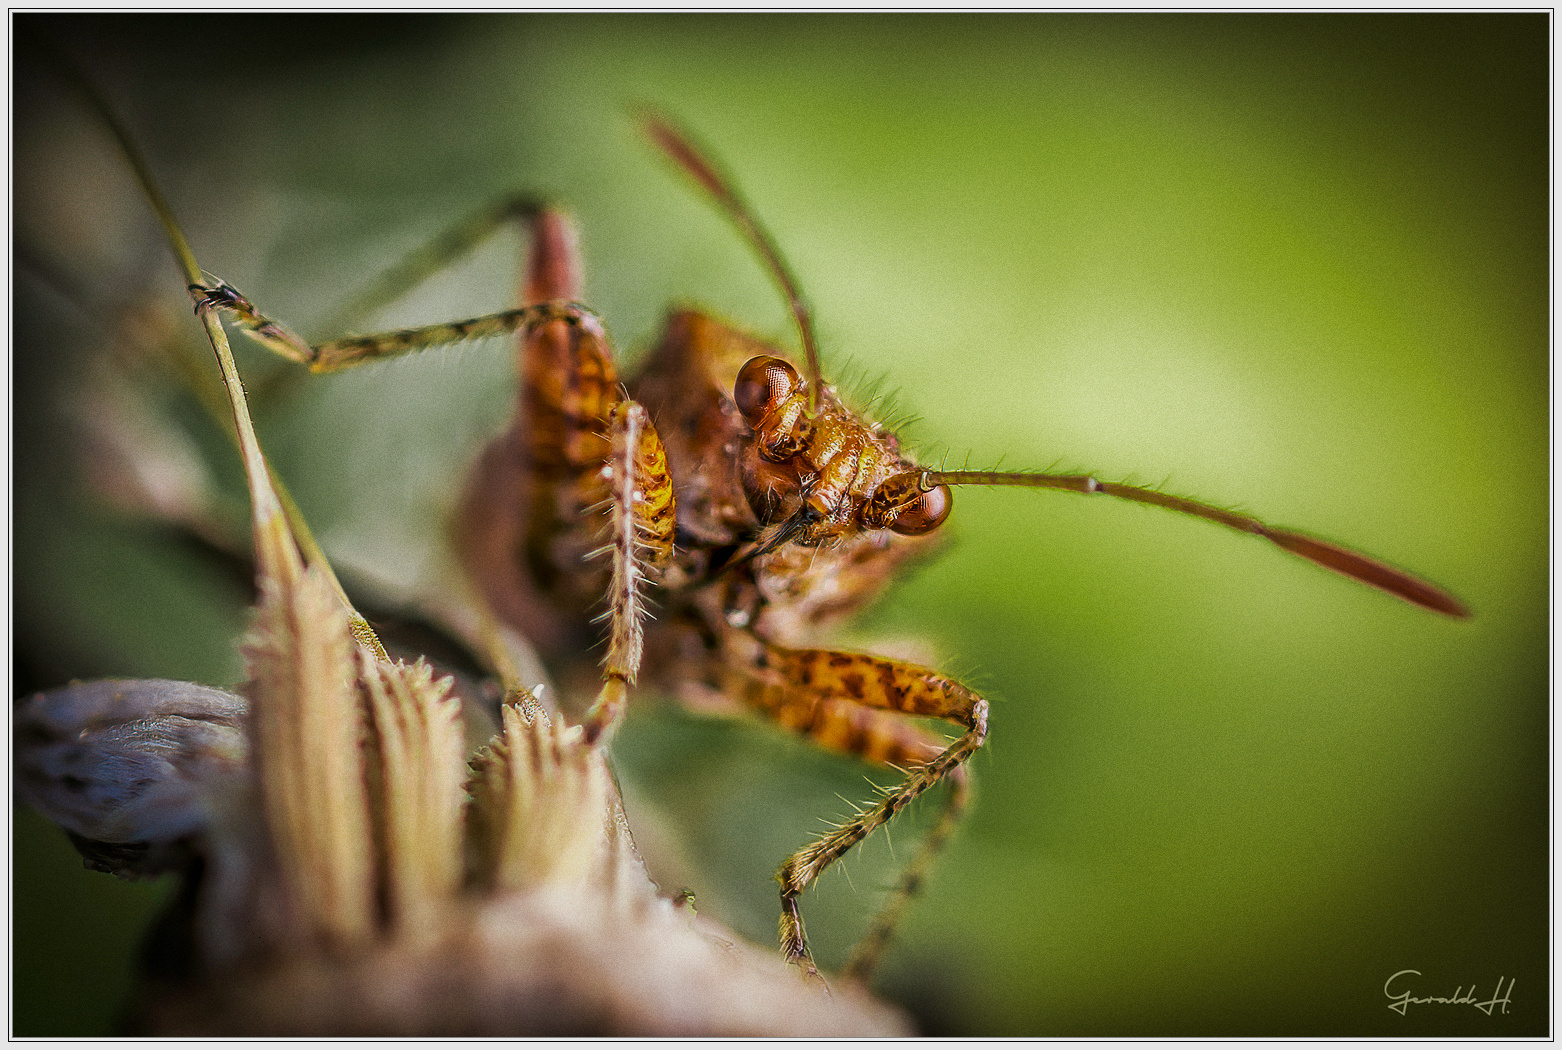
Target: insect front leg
x=642, y=516
x=855, y=703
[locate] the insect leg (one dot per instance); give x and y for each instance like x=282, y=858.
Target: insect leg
x=348, y=351
x=865, y=954
x=528, y=516
x=423, y=262
x=830, y=697
x=642, y=518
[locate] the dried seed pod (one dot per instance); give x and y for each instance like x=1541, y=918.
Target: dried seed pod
x=130, y=769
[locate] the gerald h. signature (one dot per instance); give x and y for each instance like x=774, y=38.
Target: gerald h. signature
x=1400, y=1000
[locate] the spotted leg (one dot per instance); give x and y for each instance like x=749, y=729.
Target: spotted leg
x=855, y=704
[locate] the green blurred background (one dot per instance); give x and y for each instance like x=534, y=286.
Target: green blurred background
x=1292, y=263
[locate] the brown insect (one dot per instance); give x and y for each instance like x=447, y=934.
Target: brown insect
x=740, y=491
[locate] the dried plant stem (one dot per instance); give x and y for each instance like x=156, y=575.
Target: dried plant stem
x=276, y=516
x=305, y=719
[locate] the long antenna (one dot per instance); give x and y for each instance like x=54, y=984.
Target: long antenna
x=1321, y=552
x=677, y=145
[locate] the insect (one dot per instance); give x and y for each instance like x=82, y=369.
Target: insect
x=737, y=489
x=1295, y=300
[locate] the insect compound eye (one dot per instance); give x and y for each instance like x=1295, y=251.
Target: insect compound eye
x=926, y=514
x=763, y=384
x=902, y=505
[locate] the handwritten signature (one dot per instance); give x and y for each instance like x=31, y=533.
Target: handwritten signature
x=1402, y=1001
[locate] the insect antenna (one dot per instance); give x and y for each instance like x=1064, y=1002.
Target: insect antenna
x=1340, y=559
x=679, y=147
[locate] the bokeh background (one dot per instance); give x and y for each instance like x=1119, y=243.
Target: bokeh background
x=1296, y=264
